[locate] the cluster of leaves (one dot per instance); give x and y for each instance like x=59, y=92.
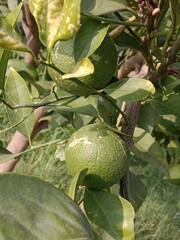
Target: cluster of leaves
x=156, y=139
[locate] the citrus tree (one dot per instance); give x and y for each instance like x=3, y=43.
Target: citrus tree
x=112, y=73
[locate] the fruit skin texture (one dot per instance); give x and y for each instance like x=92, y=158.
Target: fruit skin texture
x=104, y=60
x=101, y=151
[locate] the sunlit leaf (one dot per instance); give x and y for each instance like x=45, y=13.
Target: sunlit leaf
x=149, y=150
x=70, y=20
x=168, y=127
x=174, y=150
x=12, y=17
x=17, y=93
x=9, y=39
x=37, y=210
x=56, y=20
x=168, y=109
x=111, y=213
x=174, y=173
x=23, y=68
x=131, y=89
x=81, y=69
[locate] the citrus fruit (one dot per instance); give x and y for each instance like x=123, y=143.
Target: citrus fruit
x=101, y=151
x=104, y=60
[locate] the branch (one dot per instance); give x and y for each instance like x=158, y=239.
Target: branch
x=35, y=105
x=103, y=19
x=158, y=74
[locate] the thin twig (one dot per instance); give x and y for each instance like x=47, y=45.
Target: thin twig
x=16, y=124
x=102, y=19
x=35, y=105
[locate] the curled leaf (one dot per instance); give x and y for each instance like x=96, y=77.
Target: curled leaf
x=81, y=69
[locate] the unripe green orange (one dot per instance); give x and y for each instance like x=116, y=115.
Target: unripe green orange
x=101, y=151
x=104, y=60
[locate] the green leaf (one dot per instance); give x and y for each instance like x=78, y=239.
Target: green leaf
x=126, y=40
x=101, y=7
x=89, y=38
x=105, y=108
x=17, y=93
x=12, y=17
x=168, y=109
x=23, y=68
x=81, y=69
x=131, y=89
x=12, y=4
x=70, y=19
x=175, y=12
x=170, y=83
x=168, y=127
x=4, y=56
x=37, y=210
x=111, y=213
x=76, y=181
x=56, y=20
x=149, y=150
x=79, y=105
x=4, y=10
x=174, y=173
x=62, y=55
x=147, y=117
x=173, y=148
x=137, y=184
x=104, y=60
x=9, y=39
x=5, y=155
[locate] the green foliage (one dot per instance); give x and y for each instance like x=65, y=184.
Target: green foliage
x=149, y=150
x=17, y=94
x=49, y=212
x=56, y=20
x=10, y=39
x=132, y=89
x=101, y=7
x=110, y=215
x=84, y=44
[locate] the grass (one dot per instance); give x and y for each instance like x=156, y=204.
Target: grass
x=159, y=216
x=157, y=219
